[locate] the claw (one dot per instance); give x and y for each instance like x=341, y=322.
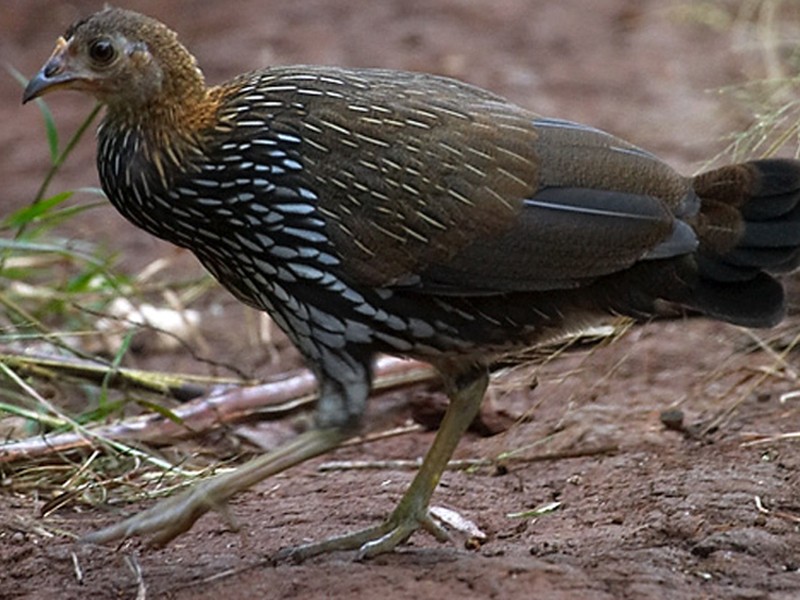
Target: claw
x=372, y=541
x=399, y=533
x=167, y=519
x=173, y=516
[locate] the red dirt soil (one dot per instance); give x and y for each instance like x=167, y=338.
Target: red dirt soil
x=645, y=511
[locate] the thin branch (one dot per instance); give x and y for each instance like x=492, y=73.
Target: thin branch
x=270, y=400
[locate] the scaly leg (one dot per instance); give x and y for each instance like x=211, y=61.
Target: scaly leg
x=411, y=513
x=173, y=516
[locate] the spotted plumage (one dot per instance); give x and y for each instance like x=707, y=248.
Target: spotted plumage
x=376, y=211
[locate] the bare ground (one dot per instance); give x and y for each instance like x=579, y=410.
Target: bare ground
x=645, y=511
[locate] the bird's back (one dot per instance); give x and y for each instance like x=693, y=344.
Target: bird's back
x=411, y=212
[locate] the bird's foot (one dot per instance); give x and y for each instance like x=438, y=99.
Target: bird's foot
x=171, y=517
x=372, y=541
x=168, y=518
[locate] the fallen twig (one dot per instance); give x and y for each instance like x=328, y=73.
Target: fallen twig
x=771, y=439
x=180, y=387
x=270, y=400
x=463, y=464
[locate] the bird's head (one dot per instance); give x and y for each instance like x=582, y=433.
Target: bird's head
x=124, y=59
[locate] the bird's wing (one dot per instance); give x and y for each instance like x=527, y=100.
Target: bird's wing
x=601, y=205
x=435, y=185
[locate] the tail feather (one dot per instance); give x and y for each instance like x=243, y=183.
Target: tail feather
x=752, y=259
x=783, y=232
x=776, y=187
x=749, y=227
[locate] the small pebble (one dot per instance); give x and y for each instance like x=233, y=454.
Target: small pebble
x=672, y=418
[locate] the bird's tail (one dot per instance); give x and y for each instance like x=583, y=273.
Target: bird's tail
x=749, y=229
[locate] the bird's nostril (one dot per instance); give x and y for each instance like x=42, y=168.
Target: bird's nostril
x=52, y=68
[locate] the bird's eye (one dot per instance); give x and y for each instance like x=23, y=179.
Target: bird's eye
x=102, y=51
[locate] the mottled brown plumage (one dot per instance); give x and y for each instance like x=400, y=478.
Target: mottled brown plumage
x=380, y=211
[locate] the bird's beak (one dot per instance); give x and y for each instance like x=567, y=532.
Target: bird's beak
x=53, y=75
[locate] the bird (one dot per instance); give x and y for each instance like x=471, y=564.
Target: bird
x=377, y=211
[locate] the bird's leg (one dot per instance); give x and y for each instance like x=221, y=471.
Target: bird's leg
x=173, y=516
x=466, y=392
x=341, y=404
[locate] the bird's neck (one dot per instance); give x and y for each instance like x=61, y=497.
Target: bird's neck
x=168, y=101
x=168, y=114
x=168, y=128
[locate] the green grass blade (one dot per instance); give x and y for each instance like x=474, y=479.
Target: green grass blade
x=63, y=250
x=50, y=130
x=27, y=214
x=49, y=122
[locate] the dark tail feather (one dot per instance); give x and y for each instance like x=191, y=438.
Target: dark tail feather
x=749, y=227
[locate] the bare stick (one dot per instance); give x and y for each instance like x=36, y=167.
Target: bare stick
x=274, y=399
